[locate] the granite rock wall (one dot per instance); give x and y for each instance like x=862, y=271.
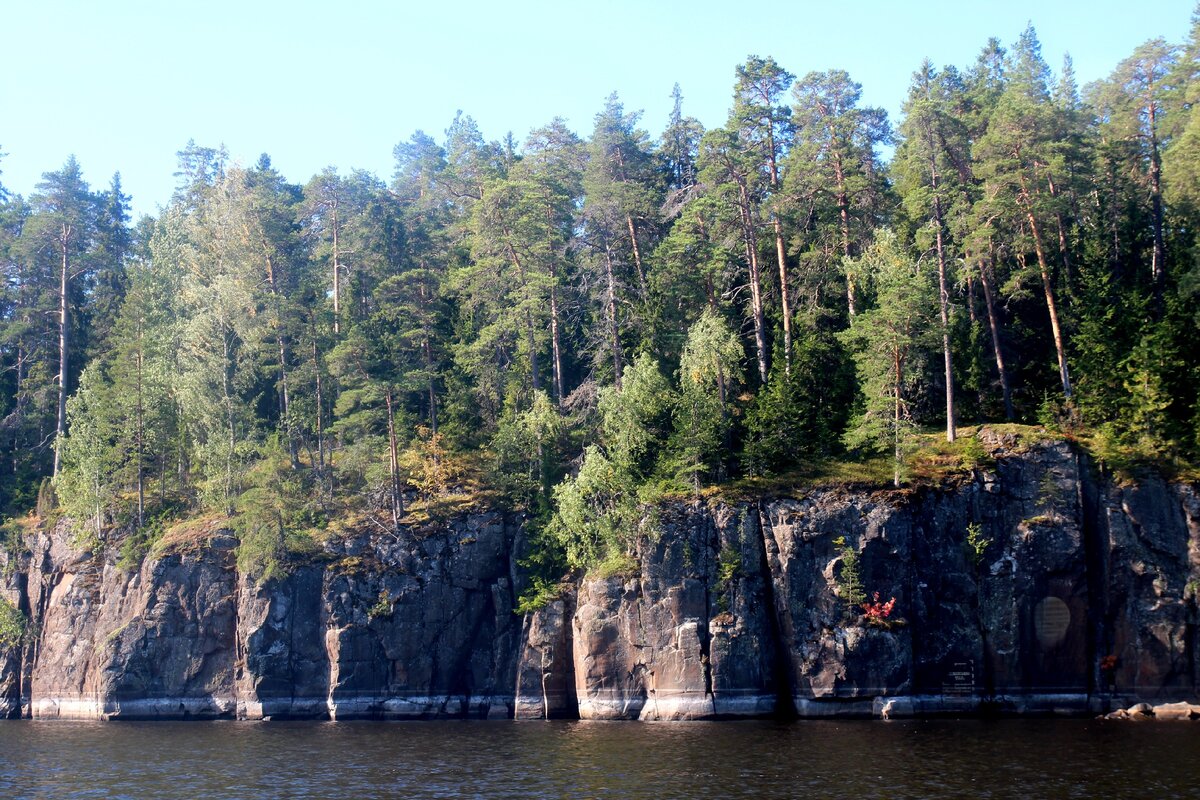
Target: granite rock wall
x=1034, y=584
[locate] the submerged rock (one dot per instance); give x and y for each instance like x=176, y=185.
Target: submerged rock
x=1172, y=712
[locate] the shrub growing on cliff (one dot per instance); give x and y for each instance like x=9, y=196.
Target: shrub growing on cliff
x=977, y=542
x=849, y=577
x=540, y=593
x=89, y=460
x=273, y=515
x=12, y=624
x=600, y=511
x=878, y=612
x=12, y=545
x=710, y=371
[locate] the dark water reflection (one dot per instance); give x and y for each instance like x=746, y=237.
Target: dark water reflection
x=214, y=761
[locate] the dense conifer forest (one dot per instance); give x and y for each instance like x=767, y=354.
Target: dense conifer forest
x=579, y=323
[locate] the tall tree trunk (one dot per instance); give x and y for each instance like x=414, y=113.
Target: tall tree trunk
x=63, y=351
x=1159, y=257
x=897, y=451
x=531, y=341
x=427, y=352
x=556, y=347
x=944, y=309
x=227, y=396
x=427, y=349
x=139, y=422
x=1063, y=249
x=320, y=427
x=993, y=324
x=972, y=314
x=337, y=306
x=637, y=253
x=780, y=252
x=393, y=463
x=843, y=203
x=530, y=335
x=284, y=396
x=1051, y=305
x=637, y=258
x=280, y=340
x=710, y=291
x=555, y=343
x=784, y=292
x=760, y=327
x=614, y=334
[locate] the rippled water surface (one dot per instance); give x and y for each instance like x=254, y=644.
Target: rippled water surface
x=360, y=760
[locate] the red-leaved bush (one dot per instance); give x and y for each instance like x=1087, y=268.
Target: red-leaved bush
x=876, y=610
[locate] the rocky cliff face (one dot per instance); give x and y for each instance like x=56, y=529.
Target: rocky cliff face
x=1030, y=586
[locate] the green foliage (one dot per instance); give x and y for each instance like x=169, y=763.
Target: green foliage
x=977, y=542
x=1147, y=422
x=275, y=516
x=383, y=606
x=526, y=449
x=12, y=625
x=635, y=418
x=540, y=593
x=138, y=543
x=800, y=416
x=729, y=567
x=1109, y=320
x=89, y=460
x=1051, y=496
x=601, y=511
x=597, y=514
x=849, y=577
x=267, y=350
x=710, y=373
x=729, y=564
x=545, y=564
x=972, y=454
x=889, y=343
x=615, y=565
x=47, y=500
x=428, y=463
x=12, y=546
x=832, y=168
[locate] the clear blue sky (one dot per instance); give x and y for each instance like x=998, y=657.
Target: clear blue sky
x=124, y=85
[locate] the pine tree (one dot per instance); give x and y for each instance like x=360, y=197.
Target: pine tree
x=888, y=342
x=622, y=194
x=1018, y=159
x=728, y=172
x=764, y=126
x=679, y=145
x=832, y=171
x=933, y=142
x=65, y=218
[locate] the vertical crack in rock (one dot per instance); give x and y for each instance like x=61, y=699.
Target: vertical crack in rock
x=785, y=680
x=711, y=544
x=1099, y=637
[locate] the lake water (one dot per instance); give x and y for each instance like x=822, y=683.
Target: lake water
x=363, y=760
